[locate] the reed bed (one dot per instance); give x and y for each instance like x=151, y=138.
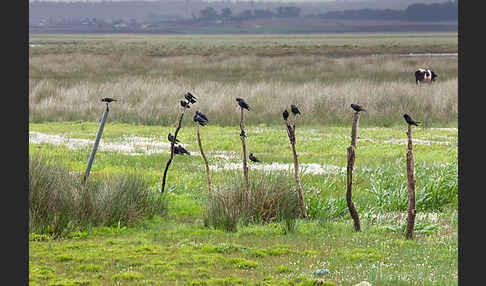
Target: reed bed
x=68, y=85
x=153, y=101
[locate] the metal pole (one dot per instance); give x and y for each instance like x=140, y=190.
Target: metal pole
x=97, y=141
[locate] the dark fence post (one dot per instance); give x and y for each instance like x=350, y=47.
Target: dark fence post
x=96, y=143
x=411, y=187
x=349, y=172
x=291, y=134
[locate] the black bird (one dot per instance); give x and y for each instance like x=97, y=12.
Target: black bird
x=253, y=158
x=191, y=98
x=285, y=114
x=171, y=138
x=108, y=99
x=180, y=150
x=294, y=109
x=243, y=104
x=199, y=119
x=410, y=121
x=185, y=104
x=357, y=107
x=202, y=115
x=243, y=134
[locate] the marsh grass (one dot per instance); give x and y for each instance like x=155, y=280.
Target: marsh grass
x=68, y=87
x=59, y=203
x=179, y=249
x=437, y=187
x=270, y=199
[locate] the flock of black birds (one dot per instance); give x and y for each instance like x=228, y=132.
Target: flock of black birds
x=294, y=109
x=200, y=118
x=203, y=120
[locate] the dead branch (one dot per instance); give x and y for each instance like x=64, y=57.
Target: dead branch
x=205, y=161
x=243, y=143
x=411, y=186
x=349, y=173
x=172, y=147
x=291, y=134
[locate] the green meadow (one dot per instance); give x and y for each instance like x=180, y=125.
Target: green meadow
x=119, y=229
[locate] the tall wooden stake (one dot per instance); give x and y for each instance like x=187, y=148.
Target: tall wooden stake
x=291, y=134
x=205, y=161
x=172, y=148
x=243, y=143
x=349, y=172
x=96, y=143
x=411, y=187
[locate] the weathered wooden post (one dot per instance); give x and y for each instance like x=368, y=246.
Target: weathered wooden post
x=410, y=179
x=349, y=170
x=96, y=143
x=243, y=105
x=185, y=105
x=291, y=134
x=200, y=120
x=411, y=186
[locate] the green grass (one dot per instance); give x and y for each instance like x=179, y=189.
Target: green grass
x=177, y=249
x=60, y=204
x=69, y=75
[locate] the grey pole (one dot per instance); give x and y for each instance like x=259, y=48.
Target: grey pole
x=97, y=142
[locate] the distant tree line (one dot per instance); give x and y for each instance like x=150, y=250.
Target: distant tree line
x=447, y=11
x=211, y=14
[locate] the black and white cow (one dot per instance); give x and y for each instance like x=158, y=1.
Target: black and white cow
x=424, y=75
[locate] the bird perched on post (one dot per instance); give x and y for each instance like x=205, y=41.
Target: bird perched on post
x=180, y=150
x=185, y=104
x=108, y=99
x=200, y=118
x=253, y=158
x=410, y=121
x=202, y=115
x=357, y=107
x=171, y=138
x=285, y=114
x=294, y=110
x=243, y=104
x=191, y=98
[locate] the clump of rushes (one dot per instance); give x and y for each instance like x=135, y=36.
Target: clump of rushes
x=59, y=201
x=269, y=200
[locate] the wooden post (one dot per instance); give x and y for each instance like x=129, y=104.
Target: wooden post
x=96, y=143
x=172, y=148
x=205, y=161
x=291, y=134
x=411, y=187
x=243, y=143
x=349, y=172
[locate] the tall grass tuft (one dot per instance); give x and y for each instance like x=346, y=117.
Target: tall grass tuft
x=436, y=184
x=59, y=203
x=271, y=199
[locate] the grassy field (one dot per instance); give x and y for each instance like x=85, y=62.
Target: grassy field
x=178, y=249
x=340, y=44
x=69, y=74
